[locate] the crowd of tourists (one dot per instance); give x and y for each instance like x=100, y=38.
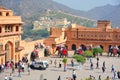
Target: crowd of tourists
x=12, y=67
x=62, y=50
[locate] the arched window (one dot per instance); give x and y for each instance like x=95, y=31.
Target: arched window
x=17, y=28
x=0, y=13
x=0, y=29
x=7, y=14
x=73, y=47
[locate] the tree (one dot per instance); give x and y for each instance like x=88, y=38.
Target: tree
x=79, y=58
x=97, y=50
x=88, y=53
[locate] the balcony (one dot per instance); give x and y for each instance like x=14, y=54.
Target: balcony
x=20, y=48
x=3, y=52
x=10, y=20
x=10, y=33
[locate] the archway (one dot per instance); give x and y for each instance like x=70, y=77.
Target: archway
x=83, y=47
x=101, y=47
x=73, y=47
x=9, y=49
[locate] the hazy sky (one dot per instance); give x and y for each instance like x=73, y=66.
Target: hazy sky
x=86, y=4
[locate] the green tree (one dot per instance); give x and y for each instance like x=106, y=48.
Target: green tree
x=88, y=53
x=97, y=50
x=79, y=58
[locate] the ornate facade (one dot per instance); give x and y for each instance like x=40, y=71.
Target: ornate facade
x=10, y=35
x=103, y=35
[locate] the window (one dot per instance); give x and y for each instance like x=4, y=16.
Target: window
x=8, y=28
x=17, y=44
x=1, y=47
x=105, y=24
x=0, y=13
x=17, y=28
x=7, y=14
x=0, y=29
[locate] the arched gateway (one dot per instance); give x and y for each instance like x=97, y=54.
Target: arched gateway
x=9, y=51
x=73, y=47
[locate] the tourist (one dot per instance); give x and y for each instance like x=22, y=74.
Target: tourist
x=19, y=72
x=115, y=75
x=29, y=70
x=59, y=78
x=104, y=64
x=60, y=64
x=16, y=65
x=72, y=63
x=55, y=62
x=97, y=64
x=91, y=60
x=91, y=66
x=112, y=68
x=97, y=59
x=51, y=61
x=10, y=77
x=118, y=74
x=22, y=67
x=5, y=78
x=74, y=74
x=103, y=69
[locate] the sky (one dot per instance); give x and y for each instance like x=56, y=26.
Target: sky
x=87, y=4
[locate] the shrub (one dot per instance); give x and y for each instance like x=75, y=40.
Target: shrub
x=79, y=58
x=97, y=50
x=88, y=53
x=64, y=60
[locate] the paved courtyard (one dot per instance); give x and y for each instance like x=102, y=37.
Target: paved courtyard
x=53, y=72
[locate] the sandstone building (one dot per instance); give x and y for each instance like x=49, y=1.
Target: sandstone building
x=74, y=36
x=10, y=35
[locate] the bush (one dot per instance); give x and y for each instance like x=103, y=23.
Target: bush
x=79, y=58
x=64, y=60
x=88, y=53
x=97, y=50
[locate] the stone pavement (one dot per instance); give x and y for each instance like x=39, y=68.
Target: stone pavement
x=53, y=72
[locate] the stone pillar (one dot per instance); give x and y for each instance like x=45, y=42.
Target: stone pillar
x=14, y=28
x=3, y=29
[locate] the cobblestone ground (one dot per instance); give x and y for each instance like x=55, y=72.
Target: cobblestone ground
x=53, y=72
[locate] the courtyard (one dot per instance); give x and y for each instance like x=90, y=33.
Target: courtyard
x=52, y=72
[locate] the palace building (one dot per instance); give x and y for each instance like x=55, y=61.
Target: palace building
x=10, y=36
x=74, y=36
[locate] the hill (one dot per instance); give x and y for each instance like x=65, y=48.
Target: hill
x=30, y=10
x=107, y=12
